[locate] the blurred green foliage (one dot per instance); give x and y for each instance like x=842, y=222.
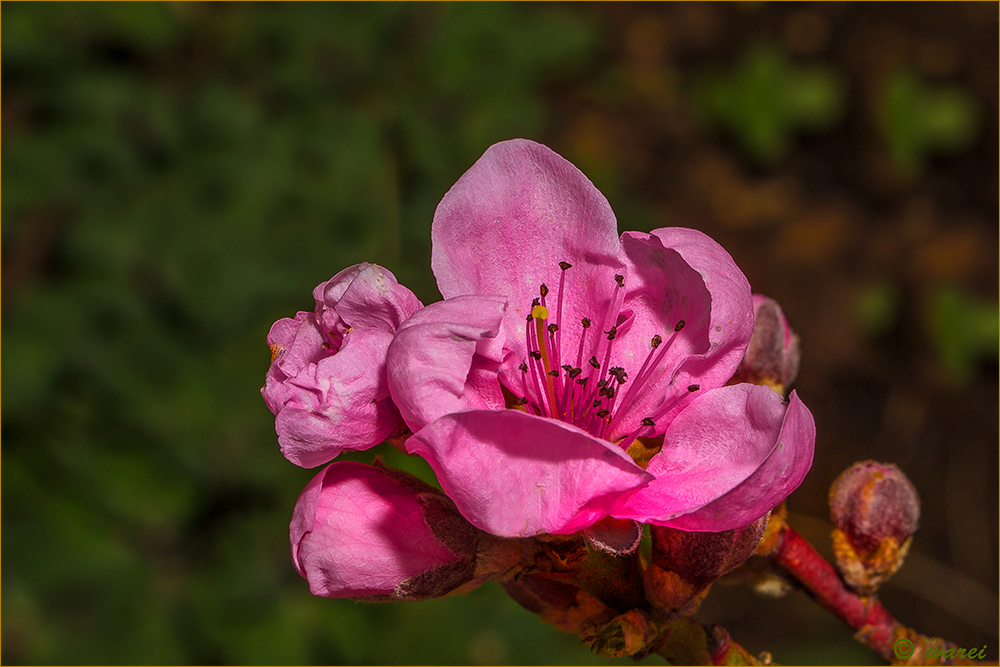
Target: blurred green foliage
x=765, y=100
x=178, y=176
x=919, y=120
x=965, y=331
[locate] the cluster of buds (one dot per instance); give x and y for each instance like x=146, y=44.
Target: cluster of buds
x=875, y=509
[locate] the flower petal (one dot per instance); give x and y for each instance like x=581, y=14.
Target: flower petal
x=355, y=532
x=437, y=363
x=662, y=291
x=732, y=306
x=776, y=478
x=340, y=402
x=739, y=437
x=372, y=299
x=509, y=221
x=517, y=475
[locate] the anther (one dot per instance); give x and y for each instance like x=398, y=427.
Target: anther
x=694, y=387
x=586, y=322
x=648, y=421
x=612, y=333
x=523, y=367
x=553, y=328
x=535, y=302
x=620, y=280
x=565, y=265
x=554, y=373
x=535, y=354
x=594, y=362
x=543, y=289
x=619, y=374
x=656, y=341
x=679, y=325
x=574, y=372
x=602, y=413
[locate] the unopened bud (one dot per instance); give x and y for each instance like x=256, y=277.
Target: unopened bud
x=685, y=563
x=875, y=509
x=772, y=357
x=375, y=533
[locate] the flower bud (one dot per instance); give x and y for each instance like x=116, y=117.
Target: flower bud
x=380, y=534
x=685, y=563
x=876, y=510
x=772, y=357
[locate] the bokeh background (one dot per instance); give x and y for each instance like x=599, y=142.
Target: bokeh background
x=177, y=176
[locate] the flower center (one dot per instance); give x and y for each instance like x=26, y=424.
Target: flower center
x=590, y=394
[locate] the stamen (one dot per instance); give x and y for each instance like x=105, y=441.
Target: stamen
x=672, y=402
x=648, y=368
x=540, y=314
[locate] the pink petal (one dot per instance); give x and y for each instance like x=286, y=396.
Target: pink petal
x=732, y=307
x=738, y=439
x=510, y=219
x=775, y=479
x=431, y=360
x=663, y=290
x=357, y=533
x=517, y=475
x=373, y=299
x=341, y=402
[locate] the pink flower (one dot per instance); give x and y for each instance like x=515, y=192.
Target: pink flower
x=363, y=531
x=326, y=385
x=563, y=352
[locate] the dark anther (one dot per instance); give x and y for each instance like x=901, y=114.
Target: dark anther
x=553, y=328
x=602, y=413
x=529, y=318
x=656, y=341
x=619, y=374
x=567, y=368
x=565, y=265
x=694, y=387
x=543, y=289
x=609, y=392
x=523, y=367
x=620, y=280
x=594, y=362
x=582, y=381
x=679, y=325
x=648, y=421
x=574, y=372
x=535, y=302
x=535, y=354
x=554, y=373
x=586, y=322
x=612, y=333
x=523, y=400
x=602, y=383
x=595, y=404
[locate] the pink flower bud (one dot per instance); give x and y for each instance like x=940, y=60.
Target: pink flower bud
x=371, y=532
x=772, y=357
x=876, y=510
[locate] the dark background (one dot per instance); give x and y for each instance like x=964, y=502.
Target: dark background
x=177, y=176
